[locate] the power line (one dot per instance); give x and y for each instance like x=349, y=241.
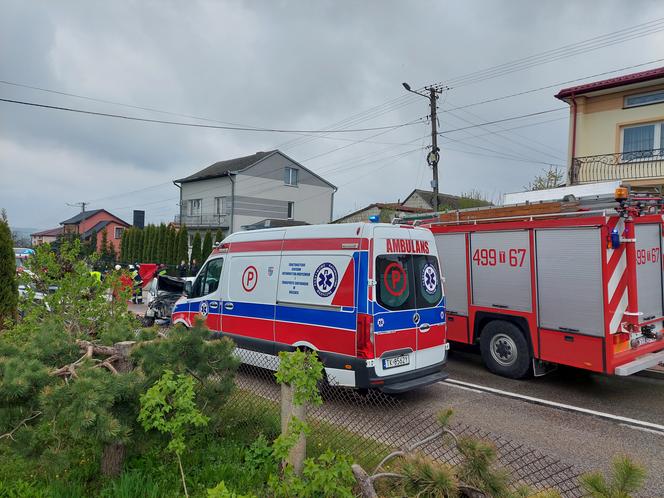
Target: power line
x=565, y=51
x=196, y=125
x=444, y=132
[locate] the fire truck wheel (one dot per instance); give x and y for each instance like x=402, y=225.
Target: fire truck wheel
x=505, y=350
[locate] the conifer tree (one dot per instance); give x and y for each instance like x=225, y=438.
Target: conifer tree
x=131, y=240
x=103, y=250
x=148, y=244
x=138, y=245
x=163, y=243
x=159, y=245
x=173, y=246
x=196, y=249
x=112, y=256
x=183, y=245
x=154, y=243
x=219, y=236
x=207, y=245
x=8, y=286
x=123, y=244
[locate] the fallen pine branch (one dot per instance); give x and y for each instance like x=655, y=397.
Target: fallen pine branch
x=10, y=434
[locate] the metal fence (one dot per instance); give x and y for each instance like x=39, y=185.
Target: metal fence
x=635, y=165
x=370, y=425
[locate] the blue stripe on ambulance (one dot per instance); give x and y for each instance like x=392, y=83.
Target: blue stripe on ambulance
x=295, y=314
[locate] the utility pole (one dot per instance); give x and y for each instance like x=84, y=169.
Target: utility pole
x=434, y=155
x=79, y=204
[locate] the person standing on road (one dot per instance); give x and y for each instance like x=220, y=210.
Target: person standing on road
x=137, y=294
x=193, y=270
x=182, y=269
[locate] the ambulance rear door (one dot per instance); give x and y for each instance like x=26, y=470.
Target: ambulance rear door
x=399, y=261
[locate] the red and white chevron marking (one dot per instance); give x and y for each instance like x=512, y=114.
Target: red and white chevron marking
x=616, y=262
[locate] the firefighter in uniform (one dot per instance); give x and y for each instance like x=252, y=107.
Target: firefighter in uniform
x=137, y=291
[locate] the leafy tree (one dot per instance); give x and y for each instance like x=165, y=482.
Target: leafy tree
x=219, y=236
x=550, y=178
x=183, y=244
x=196, y=249
x=8, y=287
x=207, y=245
x=169, y=406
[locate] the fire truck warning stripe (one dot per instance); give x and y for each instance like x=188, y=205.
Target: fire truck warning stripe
x=658, y=428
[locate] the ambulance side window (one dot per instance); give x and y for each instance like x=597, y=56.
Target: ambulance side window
x=208, y=278
x=197, y=286
x=212, y=276
x=394, y=282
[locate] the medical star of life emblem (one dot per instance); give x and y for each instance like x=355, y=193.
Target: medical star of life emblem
x=326, y=279
x=204, y=308
x=429, y=279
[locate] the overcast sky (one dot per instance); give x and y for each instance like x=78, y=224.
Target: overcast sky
x=291, y=65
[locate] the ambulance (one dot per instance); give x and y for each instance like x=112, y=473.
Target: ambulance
x=367, y=297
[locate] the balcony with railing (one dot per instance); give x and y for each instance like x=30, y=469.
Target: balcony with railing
x=203, y=220
x=624, y=166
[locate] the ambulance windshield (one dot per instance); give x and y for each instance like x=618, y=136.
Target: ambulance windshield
x=407, y=281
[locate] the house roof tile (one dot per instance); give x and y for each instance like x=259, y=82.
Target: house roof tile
x=626, y=79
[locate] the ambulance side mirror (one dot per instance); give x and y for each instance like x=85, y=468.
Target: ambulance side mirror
x=187, y=289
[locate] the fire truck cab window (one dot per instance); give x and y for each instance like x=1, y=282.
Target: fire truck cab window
x=405, y=281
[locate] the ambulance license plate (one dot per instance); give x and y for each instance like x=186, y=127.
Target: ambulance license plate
x=396, y=361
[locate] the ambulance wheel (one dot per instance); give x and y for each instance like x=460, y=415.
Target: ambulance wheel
x=505, y=350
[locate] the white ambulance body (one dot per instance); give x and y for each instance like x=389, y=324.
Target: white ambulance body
x=367, y=297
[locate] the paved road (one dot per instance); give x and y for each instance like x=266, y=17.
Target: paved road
x=583, y=440
x=636, y=397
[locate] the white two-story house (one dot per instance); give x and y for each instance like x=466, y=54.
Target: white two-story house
x=253, y=190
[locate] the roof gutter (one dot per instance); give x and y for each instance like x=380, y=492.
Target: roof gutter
x=180, y=203
x=230, y=176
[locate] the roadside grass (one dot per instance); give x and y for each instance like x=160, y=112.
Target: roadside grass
x=214, y=454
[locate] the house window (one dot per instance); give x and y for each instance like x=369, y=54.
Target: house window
x=642, y=141
x=290, y=176
x=118, y=232
x=291, y=209
x=644, y=99
x=220, y=205
x=195, y=207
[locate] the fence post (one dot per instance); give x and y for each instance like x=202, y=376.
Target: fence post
x=289, y=410
x=299, y=451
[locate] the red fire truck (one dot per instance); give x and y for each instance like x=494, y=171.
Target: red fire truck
x=580, y=288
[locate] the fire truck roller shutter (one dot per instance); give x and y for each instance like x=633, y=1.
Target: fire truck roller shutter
x=500, y=270
x=569, y=280
x=648, y=270
x=452, y=256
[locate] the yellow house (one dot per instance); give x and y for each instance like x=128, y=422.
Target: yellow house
x=616, y=130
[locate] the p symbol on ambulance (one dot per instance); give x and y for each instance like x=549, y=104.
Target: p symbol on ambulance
x=395, y=279
x=249, y=278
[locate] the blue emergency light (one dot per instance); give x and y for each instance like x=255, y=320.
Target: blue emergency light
x=374, y=218
x=614, y=239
